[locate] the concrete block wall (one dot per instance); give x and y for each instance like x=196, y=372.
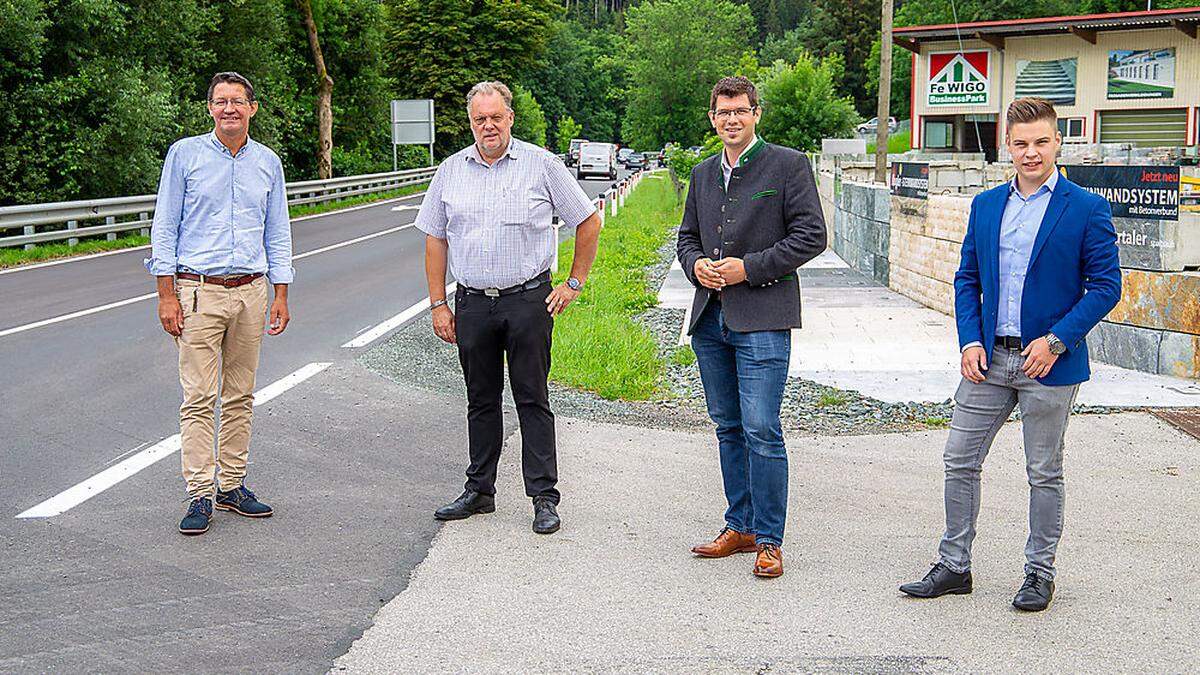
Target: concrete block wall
x=861, y=233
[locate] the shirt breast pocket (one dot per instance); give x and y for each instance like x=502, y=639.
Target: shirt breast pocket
x=255, y=195
x=516, y=207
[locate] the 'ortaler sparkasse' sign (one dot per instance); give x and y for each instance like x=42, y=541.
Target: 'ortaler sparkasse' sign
x=959, y=78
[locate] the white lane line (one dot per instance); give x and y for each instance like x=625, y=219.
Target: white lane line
x=147, y=296
x=356, y=240
x=79, y=258
x=387, y=326
x=85, y=490
x=75, y=315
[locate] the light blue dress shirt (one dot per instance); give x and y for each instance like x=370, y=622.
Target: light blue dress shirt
x=221, y=214
x=1018, y=230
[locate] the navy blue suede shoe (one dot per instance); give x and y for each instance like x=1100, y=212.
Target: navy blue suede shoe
x=242, y=502
x=198, y=515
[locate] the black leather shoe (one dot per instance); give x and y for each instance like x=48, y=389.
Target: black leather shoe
x=468, y=504
x=545, y=516
x=1035, y=594
x=940, y=580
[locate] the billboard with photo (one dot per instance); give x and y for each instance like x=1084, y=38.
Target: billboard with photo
x=1142, y=73
x=1051, y=80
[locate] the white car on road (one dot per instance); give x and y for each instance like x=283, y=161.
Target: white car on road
x=597, y=159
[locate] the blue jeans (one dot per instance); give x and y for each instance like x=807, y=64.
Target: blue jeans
x=744, y=375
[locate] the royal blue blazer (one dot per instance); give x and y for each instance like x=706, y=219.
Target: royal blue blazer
x=1073, y=280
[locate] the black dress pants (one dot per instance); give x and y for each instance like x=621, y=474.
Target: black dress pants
x=516, y=328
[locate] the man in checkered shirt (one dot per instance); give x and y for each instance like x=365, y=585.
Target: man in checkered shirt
x=488, y=213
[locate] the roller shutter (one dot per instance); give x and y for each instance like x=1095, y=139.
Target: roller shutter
x=1145, y=128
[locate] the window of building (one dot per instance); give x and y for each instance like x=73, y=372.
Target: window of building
x=938, y=134
x=1072, y=129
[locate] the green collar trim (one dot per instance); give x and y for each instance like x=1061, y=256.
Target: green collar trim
x=751, y=151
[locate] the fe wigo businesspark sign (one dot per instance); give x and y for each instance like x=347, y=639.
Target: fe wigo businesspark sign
x=959, y=78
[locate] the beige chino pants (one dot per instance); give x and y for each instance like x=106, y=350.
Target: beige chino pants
x=218, y=354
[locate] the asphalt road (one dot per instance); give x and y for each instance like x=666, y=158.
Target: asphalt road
x=352, y=464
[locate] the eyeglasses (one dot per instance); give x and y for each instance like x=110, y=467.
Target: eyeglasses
x=480, y=120
x=731, y=112
x=222, y=102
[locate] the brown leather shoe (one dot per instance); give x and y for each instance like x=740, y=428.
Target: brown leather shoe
x=726, y=544
x=769, y=561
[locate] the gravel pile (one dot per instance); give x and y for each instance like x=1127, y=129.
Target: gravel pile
x=415, y=356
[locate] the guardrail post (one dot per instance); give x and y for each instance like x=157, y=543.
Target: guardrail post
x=28, y=230
x=145, y=231
x=600, y=210
x=73, y=225
x=109, y=220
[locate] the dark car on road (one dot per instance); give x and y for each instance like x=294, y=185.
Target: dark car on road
x=635, y=161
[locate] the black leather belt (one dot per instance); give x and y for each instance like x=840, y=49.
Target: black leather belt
x=536, y=282
x=1009, y=342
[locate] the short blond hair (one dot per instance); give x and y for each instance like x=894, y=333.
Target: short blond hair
x=492, y=87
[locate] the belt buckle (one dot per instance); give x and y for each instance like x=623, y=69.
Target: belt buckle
x=492, y=292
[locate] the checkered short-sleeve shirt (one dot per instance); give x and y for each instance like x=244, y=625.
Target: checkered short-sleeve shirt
x=497, y=218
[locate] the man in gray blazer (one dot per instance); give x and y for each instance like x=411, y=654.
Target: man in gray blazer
x=752, y=217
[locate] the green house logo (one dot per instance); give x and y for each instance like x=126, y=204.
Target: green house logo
x=959, y=78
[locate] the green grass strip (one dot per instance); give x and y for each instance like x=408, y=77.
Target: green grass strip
x=598, y=346
x=12, y=257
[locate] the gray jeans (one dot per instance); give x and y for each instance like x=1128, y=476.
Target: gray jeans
x=979, y=412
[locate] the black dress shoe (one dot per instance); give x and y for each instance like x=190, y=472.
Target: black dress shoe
x=940, y=580
x=468, y=504
x=1035, y=594
x=545, y=516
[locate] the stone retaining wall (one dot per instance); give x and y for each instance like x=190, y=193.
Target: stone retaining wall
x=913, y=246
x=861, y=234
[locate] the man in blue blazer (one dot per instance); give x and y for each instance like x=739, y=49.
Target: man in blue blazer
x=1039, y=269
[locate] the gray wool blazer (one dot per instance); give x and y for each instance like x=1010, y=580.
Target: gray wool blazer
x=770, y=218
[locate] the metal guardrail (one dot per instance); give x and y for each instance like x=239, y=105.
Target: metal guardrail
x=71, y=220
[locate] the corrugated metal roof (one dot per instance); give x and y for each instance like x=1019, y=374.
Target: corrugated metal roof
x=1157, y=18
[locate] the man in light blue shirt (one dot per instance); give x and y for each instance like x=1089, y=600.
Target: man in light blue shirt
x=220, y=224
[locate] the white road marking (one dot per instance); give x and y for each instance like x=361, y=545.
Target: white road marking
x=85, y=490
x=147, y=296
x=387, y=326
x=79, y=258
x=356, y=240
x=75, y=315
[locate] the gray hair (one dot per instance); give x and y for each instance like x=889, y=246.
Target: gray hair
x=493, y=87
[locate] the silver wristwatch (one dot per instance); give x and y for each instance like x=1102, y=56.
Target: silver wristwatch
x=574, y=283
x=1056, y=346
x=436, y=303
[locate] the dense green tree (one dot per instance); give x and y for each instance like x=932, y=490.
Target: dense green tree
x=439, y=48
x=568, y=128
x=801, y=104
x=582, y=74
x=530, y=122
x=677, y=50
x=845, y=28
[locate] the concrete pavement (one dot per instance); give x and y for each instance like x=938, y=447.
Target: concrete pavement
x=352, y=464
x=616, y=590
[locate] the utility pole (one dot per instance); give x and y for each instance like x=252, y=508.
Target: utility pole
x=885, y=94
